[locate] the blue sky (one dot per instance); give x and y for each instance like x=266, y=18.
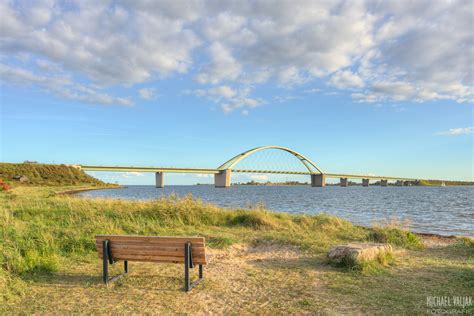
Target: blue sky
x=358, y=87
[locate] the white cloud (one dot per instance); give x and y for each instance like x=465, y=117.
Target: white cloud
x=224, y=91
x=346, y=79
x=147, y=93
x=223, y=66
x=199, y=175
x=131, y=174
x=259, y=177
x=457, y=131
x=313, y=90
x=222, y=26
x=62, y=86
x=241, y=100
x=285, y=98
x=377, y=51
x=229, y=99
x=119, y=43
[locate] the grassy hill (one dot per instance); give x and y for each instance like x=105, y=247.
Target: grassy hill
x=45, y=174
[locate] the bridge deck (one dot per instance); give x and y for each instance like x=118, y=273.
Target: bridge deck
x=215, y=171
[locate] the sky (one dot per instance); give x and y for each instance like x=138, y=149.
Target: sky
x=370, y=87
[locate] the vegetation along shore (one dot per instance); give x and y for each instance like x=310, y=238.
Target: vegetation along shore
x=260, y=261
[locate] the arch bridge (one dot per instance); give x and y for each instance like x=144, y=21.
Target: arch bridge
x=223, y=173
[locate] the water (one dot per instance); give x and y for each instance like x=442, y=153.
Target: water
x=437, y=210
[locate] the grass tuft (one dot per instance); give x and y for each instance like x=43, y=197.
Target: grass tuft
x=220, y=242
x=397, y=237
x=254, y=219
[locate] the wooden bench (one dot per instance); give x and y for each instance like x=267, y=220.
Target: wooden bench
x=187, y=250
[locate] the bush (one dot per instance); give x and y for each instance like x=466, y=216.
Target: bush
x=4, y=186
x=258, y=219
x=396, y=236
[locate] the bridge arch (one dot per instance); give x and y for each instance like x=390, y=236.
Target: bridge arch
x=231, y=163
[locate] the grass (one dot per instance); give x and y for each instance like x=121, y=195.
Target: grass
x=263, y=261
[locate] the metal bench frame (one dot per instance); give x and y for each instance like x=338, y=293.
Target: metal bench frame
x=107, y=258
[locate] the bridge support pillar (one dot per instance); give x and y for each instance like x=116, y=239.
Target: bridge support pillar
x=160, y=179
x=383, y=183
x=344, y=182
x=318, y=180
x=365, y=182
x=222, y=179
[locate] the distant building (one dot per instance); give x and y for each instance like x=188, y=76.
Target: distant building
x=28, y=161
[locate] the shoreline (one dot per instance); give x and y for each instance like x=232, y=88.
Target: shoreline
x=73, y=191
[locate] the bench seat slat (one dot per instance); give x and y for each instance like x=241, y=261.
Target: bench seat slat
x=152, y=247
x=123, y=252
x=154, y=243
x=150, y=258
x=121, y=244
x=151, y=238
x=153, y=251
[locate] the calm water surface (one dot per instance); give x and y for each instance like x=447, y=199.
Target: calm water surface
x=438, y=210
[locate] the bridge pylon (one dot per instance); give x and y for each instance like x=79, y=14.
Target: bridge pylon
x=222, y=179
x=160, y=179
x=318, y=180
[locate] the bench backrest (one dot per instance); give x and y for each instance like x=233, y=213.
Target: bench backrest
x=153, y=248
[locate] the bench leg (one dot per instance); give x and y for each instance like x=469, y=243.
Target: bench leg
x=189, y=264
x=106, y=260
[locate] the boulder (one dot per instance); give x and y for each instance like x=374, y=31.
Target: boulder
x=356, y=253
x=22, y=179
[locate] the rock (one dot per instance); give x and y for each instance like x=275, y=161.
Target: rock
x=356, y=253
x=22, y=179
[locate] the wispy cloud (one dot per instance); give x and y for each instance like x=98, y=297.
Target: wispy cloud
x=259, y=177
x=457, y=131
x=61, y=86
x=132, y=174
x=228, y=98
x=147, y=93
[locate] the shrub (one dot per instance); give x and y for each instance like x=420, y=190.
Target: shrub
x=396, y=236
x=253, y=219
x=4, y=186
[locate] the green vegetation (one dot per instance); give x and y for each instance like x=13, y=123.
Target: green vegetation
x=46, y=174
x=374, y=267
x=260, y=261
x=395, y=236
